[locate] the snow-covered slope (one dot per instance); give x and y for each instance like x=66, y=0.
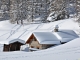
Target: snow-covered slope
x=68, y=51
x=10, y=31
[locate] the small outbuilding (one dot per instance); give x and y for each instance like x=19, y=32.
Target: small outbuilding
x=14, y=45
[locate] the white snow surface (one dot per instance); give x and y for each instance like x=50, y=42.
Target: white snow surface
x=55, y=37
x=68, y=51
x=65, y=35
x=46, y=38
x=15, y=32
x=24, y=48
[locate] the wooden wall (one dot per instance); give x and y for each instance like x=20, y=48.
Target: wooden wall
x=33, y=43
x=45, y=46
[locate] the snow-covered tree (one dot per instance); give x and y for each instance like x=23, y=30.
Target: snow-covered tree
x=30, y=10
x=63, y=8
x=4, y=8
x=59, y=9
x=38, y=10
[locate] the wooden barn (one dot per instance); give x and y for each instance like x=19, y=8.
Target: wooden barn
x=13, y=46
x=42, y=40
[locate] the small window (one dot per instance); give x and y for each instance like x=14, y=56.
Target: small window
x=32, y=46
x=37, y=47
x=34, y=39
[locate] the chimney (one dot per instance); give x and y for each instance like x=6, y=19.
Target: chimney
x=56, y=28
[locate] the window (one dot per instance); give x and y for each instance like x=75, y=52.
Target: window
x=34, y=39
x=32, y=46
x=37, y=47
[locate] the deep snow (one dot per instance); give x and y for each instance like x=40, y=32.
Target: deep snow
x=68, y=51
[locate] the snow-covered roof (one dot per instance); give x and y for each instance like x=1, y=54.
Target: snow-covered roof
x=46, y=38
x=65, y=35
x=55, y=37
x=9, y=41
x=17, y=40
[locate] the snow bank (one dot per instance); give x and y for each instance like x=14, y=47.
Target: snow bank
x=68, y=51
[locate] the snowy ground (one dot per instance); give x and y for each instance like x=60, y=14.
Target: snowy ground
x=68, y=51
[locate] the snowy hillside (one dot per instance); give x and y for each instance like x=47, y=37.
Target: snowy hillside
x=10, y=31
x=68, y=51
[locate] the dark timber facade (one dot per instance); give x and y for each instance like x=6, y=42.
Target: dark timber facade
x=12, y=47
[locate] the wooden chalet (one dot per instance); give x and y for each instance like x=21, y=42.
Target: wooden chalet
x=42, y=40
